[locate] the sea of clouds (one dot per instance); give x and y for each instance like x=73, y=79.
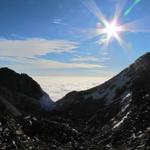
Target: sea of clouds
x=57, y=87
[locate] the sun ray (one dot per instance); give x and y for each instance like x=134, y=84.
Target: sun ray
x=91, y=5
x=112, y=29
x=139, y=25
x=106, y=30
x=119, y=8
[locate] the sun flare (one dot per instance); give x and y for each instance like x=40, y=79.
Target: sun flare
x=106, y=30
x=110, y=30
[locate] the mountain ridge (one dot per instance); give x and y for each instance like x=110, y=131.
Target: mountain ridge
x=111, y=116
x=84, y=104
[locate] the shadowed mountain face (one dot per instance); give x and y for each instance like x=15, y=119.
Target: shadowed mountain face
x=22, y=93
x=111, y=116
x=20, y=82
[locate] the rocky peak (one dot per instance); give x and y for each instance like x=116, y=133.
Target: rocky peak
x=142, y=64
x=144, y=58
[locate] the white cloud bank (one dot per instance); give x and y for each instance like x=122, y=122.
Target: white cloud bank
x=23, y=54
x=58, y=87
x=34, y=47
x=37, y=63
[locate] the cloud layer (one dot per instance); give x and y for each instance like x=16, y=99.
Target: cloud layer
x=25, y=54
x=34, y=47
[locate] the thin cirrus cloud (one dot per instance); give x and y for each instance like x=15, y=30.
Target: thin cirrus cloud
x=104, y=59
x=35, y=46
x=58, y=21
x=24, y=53
x=78, y=58
x=46, y=64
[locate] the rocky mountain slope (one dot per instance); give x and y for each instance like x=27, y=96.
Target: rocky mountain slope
x=111, y=116
x=113, y=94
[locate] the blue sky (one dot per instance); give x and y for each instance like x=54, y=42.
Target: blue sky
x=52, y=37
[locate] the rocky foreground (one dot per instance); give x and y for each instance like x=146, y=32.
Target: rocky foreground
x=112, y=116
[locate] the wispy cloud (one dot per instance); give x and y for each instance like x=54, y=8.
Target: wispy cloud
x=35, y=46
x=58, y=21
x=78, y=58
x=91, y=59
x=105, y=59
x=36, y=63
x=24, y=54
x=105, y=53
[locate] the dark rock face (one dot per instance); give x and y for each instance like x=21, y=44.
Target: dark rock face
x=23, y=92
x=112, y=116
x=20, y=82
x=128, y=130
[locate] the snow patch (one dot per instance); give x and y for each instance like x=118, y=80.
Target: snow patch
x=147, y=95
x=125, y=102
x=127, y=96
x=125, y=108
x=133, y=136
x=110, y=93
x=121, y=121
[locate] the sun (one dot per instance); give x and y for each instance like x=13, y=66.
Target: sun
x=106, y=30
x=110, y=30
